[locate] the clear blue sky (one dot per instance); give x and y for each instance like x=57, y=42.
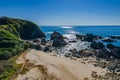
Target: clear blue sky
x=64, y=12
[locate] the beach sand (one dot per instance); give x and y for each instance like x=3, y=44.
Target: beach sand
x=63, y=68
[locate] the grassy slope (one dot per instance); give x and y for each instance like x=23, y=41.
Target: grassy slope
x=12, y=31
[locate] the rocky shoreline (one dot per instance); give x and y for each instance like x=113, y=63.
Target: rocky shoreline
x=82, y=46
x=14, y=40
x=74, y=43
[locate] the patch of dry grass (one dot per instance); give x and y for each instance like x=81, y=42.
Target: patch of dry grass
x=46, y=76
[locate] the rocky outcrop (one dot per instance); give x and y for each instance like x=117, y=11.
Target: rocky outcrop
x=58, y=40
x=115, y=52
x=108, y=40
x=111, y=46
x=90, y=37
x=103, y=53
x=115, y=37
x=97, y=45
x=78, y=36
x=56, y=35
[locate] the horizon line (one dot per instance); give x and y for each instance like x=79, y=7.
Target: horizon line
x=79, y=25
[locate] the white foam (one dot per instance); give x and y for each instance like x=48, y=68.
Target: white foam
x=80, y=45
x=49, y=32
x=66, y=27
x=69, y=36
x=71, y=32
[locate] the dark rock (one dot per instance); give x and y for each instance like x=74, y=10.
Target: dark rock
x=43, y=41
x=97, y=45
x=110, y=46
x=74, y=51
x=115, y=37
x=58, y=40
x=76, y=55
x=47, y=49
x=56, y=35
x=30, y=31
x=103, y=53
x=36, y=41
x=108, y=40
x=86, y=53
x=72, y=41
x=36, y=46
x=116, y=52
x=58, y=43
x=68, y=55
x=94, y=74
x=78, y=36
x=90, y=37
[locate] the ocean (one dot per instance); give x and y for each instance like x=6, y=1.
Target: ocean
x=104, y=31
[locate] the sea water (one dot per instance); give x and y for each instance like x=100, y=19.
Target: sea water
x=104, y=31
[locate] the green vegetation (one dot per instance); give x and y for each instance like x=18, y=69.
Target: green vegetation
x=12, y=31
x=21, y=28
x=10, y=44
x=8, y=68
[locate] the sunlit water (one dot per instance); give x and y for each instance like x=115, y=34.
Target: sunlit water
x=104, y=31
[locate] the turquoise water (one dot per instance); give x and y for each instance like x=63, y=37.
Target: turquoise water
x=98, y=30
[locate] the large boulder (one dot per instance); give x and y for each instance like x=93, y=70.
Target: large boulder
x=103, y=53
x=111, y=46
x=56, y=35
x=115, y=37
x=97, y=45
x=58, y=40
x=116, y=52
x=90, y=37
x=108, y=40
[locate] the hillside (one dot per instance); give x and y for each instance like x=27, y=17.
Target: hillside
x=12, y=31
x=21, y=28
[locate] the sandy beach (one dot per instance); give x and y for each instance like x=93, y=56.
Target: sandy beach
x=63, y=68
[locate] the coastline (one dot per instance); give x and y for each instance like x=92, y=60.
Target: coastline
x=71, y=56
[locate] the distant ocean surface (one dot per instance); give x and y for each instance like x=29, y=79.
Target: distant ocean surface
x=104, y=31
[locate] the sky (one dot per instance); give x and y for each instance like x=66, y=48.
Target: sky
x=63, y=12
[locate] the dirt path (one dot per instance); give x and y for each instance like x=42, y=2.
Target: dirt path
x=64, y=68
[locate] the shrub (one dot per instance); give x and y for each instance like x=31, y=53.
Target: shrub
x=5, y=55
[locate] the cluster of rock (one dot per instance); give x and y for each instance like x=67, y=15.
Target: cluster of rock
x=58, y=39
